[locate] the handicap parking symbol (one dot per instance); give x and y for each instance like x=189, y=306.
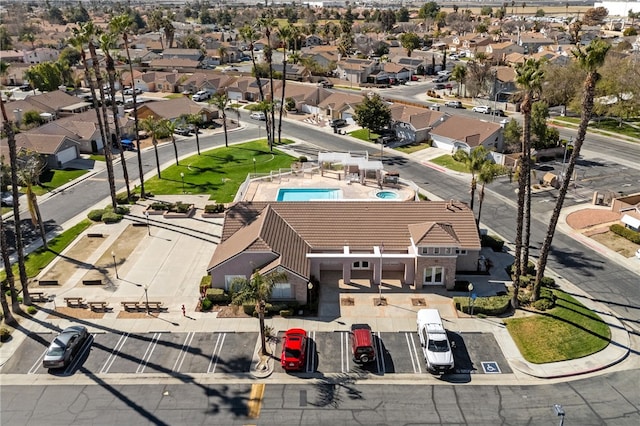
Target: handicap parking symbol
x=491, y=367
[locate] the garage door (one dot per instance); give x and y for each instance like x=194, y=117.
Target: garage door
x=67, y=155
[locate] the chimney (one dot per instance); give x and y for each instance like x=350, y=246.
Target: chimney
x=17, y=116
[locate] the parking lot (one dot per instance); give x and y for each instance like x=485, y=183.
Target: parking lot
x=234, y=353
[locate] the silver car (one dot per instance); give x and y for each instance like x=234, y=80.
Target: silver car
x=65, y=347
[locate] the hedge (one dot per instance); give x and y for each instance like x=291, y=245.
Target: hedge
x=493, y=305
x=206, y=304
x=493, y=242
x=111, y=217
x=95, y=215
x=627, y=233
x=218, y=296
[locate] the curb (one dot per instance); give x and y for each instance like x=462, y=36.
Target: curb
x=265, y=365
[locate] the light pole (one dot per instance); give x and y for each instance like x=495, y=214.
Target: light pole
x=148, y=227
x=146, y=296
x=559, y=412
x=182, y=177
x=470, y=288
x=254, y=165
x=380, y=284
x=310, y=298
x=115, y=265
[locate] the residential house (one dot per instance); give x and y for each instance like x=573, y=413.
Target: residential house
x=306, y=97
x=424, y=243
x=295, y=72
x=339, y=105
x=325, y=56
x=313, y=40
x=355, y=71
x=50, y=105
x=173, y=109
x=531, y=42
x=245, y=88
x=54, y=149
x=460, y=132
x=397, y=72
x=41, y=54
x=497, y=52
x=211, y=82
x=412, y=124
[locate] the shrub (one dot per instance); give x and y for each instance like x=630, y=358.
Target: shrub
x=548, y=282
x=493, y=242
x=493, y=305
x=205, y=283
x=214, y=208
x=249, y=308
x=525, y=280
x=123, y=210
x=286, y=313
x=302, y=159
x=218, y=296
x=206, y=305
x=121, y=198
x=95, y=215
x=181, y=207
x=627, y=233
x=543, y=304
x=529, y=270
x=31, y=310
x=5, y=333
x=110, y=217
x=159, y=206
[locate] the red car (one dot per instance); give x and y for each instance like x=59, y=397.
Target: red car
x=294, y=348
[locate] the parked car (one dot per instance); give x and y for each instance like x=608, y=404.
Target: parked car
x=7, y=199
x=453, y=104
x=129, y=91
x=414, y=77
x=362, y=343
x=184, y=131
x=444, y=73
x=201, y=95
x=434, y=341
x=65, y=347
x=25, y=87
x=258, y=115
x=338, y=122
x=294, y=349
x=440, y=86
x=326, y=84
x=485, y=109
x=499, y=113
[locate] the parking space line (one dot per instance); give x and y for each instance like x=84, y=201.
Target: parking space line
x=413, y=353
x=147, y=354
x=344, y=351
x=183, y=352
x=311, y=362
x=380, y=358
x=38, y=363
x=114, y=353
x=217, y=348
x=87, y=346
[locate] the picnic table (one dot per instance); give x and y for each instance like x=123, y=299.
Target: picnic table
x=74, y=302
x=39, y=296
x=95, y=306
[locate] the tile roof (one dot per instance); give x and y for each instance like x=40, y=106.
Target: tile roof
x=470, y=130
x=172, y=108
x=419, y=118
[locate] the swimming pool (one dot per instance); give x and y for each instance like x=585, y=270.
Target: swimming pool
x=308, y=194
x=387, y=195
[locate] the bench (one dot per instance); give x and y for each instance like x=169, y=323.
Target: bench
x=39, y=296
x=48, y=282
x=74, y=302
x=92, y=282
x=98, y=306
x=130, y=306
x=94, y=235
x=153, y=306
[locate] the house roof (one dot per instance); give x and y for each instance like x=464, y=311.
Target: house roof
x=419, y=118
x=469, y=130
x=338, y=101
x=172, y=108
x=40, y=143
x=293, y=229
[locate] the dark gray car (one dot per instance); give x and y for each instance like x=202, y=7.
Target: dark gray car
x=65, y=347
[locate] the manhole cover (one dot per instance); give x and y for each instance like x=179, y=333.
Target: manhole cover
x=347, y=301
x=418, y=302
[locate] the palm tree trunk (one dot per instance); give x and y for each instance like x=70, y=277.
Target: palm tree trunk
x=9, y=319
x=263, y=339
x=587, y=112
x=136, y=122
x=155, y=148
x=111, y=73
x=284, y=82
x=473, y=191
x=36, y=209
x=175, y=148
x=224, y=128
x=480, y=201
x=197, y=139
x=527, y=219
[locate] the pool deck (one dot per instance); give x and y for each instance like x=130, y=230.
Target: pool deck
x=267, y=189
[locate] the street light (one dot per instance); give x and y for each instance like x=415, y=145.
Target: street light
x=254, y=165
x=310, y=288
x=380, y=284
x=470, y=288
x=115, y=265
x=148, y=227
x=182, y=177
x=559, y=412
x=146, y=296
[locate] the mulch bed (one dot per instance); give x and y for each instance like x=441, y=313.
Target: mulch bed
x=230, y=312
x=82, y=313
x=418, y=302
x=347, y=301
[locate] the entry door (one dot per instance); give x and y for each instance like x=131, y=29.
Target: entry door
x=434, y=275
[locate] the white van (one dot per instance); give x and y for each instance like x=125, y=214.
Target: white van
x=434, y=342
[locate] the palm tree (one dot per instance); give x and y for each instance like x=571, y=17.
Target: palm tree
x=169, y=126
x=121, y=24
x=285, y=34
x=221, y=100
x=196, y=121
x=474, y=162
x=268, y=23
x=529, y=78
x=153, y=126
x=29, y=168
x=459, y=74
x=590, y=60
x=486, y=175
x=108, y=42
x=249, y=36
x=9, y=319
x=256, y=289
x=222, y=51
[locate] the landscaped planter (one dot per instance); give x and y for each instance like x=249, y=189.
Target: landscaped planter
x=156, y=208
x=213, y=211
x=188, y=212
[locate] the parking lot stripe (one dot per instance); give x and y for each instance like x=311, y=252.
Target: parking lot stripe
x=413, y=353
x=254, y=404
x=216, y=353
x=183, y=352
x=147, y=354
x=76, y=360
x=380, y=358
x=114, y=353
x=311, y=361
x=37, y=364
x=344, y=352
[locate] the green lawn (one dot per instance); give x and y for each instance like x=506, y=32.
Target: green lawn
x=609, y=125
x=96, y=157
x=448, y=162
x=568, y=331
x=364, y=135
x=39, y=259
x=414, y=147
x=52, y=179
x=220, y=172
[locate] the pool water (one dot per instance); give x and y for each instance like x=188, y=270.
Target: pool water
x=308, y=194
x=386, y=195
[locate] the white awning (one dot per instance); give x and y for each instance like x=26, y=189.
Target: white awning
x=631, y=221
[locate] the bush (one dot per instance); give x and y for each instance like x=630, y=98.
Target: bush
x=214, y=208
x=249, y=308
x=111, y=217
x=5, y=334
x=205, y=283
x=159, y=206
x=543, y=304
x=121, y=198
x=218, y=296
x=95, y=215
x=206, y=304
x=31, y=310
x=627, y=233
x=181, y=207
x=493, y=242
x=548, y=282
x=529, y=270
x=493, y=305
x=286, y=313
x=302, y=159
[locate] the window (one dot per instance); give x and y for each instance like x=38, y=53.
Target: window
x=424, y=250
x=228, y=279
x=364, y=264
x=436, y=250
x=447, y=250
x=461, y=252
x=433, y=275
x=281, y=291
